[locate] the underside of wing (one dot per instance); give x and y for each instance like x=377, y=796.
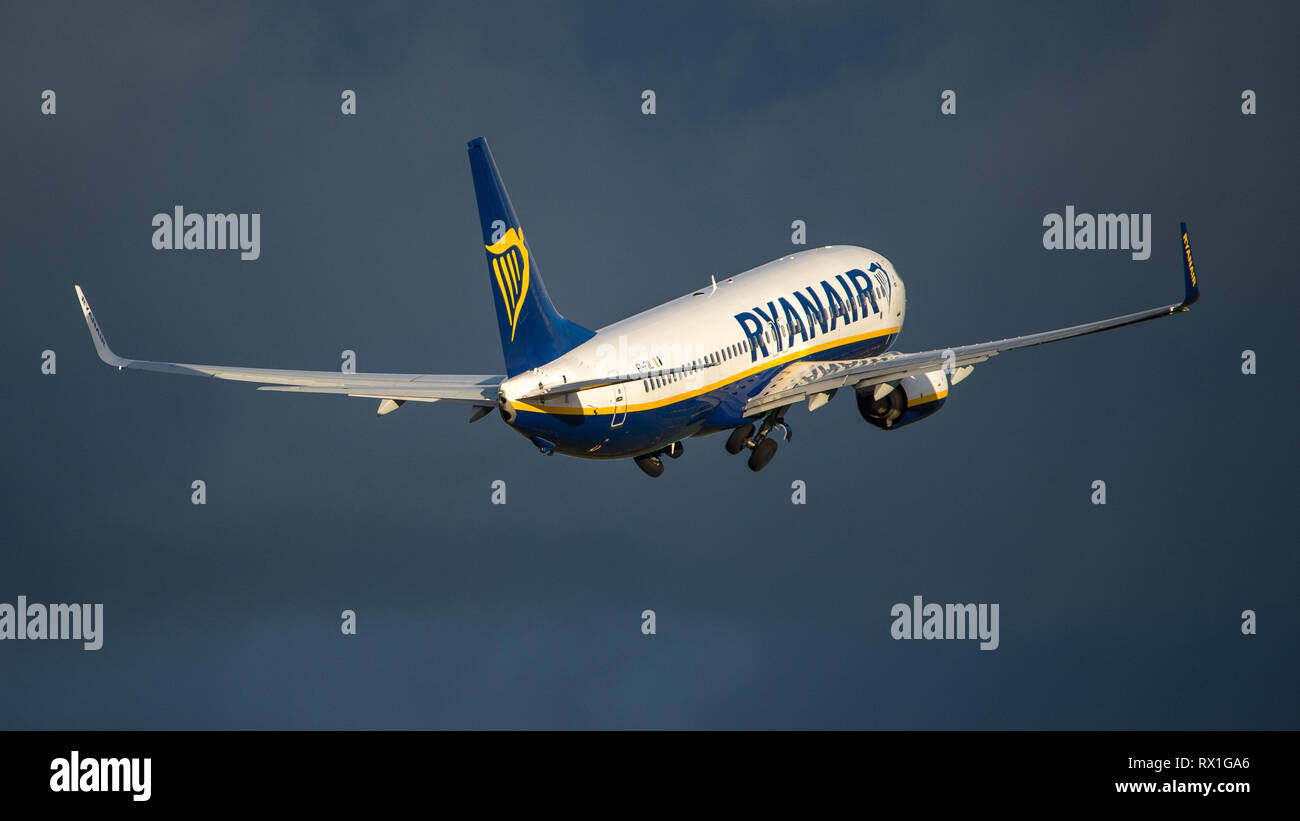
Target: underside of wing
x=423, y=388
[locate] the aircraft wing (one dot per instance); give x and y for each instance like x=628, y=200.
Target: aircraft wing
x=800, y=380
x=474, y=389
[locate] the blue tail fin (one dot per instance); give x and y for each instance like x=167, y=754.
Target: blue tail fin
x=532, y=331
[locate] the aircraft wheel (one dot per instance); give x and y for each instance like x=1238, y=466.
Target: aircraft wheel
x=763, y=453
x=739, y=438
x=650, y=464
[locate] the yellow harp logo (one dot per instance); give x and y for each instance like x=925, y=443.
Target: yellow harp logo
x=510, y=264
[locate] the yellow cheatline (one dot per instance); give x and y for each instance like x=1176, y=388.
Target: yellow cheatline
x=668, y=400
x=921, y=400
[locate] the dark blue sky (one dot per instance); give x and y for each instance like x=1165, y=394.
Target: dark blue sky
x=527, y=615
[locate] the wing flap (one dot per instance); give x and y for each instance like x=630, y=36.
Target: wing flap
x=484, y=395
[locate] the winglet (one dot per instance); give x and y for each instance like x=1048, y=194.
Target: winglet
x=97, y=335
x=1191, y=292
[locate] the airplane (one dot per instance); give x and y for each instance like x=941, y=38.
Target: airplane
x=733, y=356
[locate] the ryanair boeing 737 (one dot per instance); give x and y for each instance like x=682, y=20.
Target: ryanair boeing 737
x=732, y=357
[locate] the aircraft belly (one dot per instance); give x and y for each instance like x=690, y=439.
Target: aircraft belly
x=593, y=437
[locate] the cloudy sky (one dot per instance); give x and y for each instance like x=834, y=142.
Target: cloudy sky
x=769, y=614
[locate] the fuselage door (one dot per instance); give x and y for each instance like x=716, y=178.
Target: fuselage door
x=620, y=407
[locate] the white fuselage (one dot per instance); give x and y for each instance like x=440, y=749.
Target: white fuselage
x=706, y=352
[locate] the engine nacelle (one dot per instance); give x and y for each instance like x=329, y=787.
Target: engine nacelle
x=911, y=400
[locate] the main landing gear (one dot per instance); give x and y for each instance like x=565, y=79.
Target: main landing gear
x=653, y=465
x=762, y=443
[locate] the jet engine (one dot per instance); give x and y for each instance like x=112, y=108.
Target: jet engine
x=891, y=405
